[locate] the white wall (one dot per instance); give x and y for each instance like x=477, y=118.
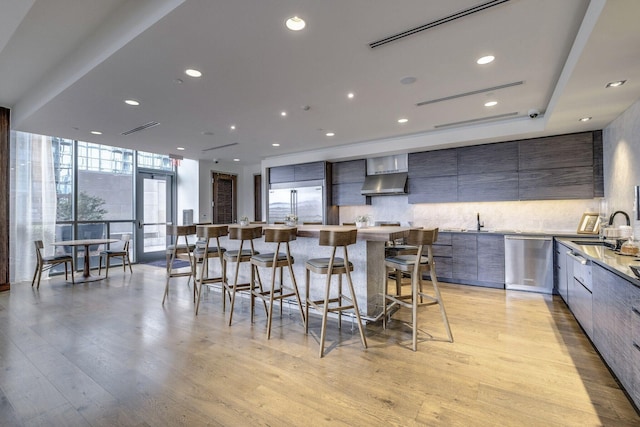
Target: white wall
x=622, y=161
x=187, y=183
x=245, y=186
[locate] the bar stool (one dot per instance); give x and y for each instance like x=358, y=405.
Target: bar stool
x=179, y=250
x=396, y=247
x=415, y=265
x=239, y=256
x=206, y=249
x=276, y=261
x=329, y=267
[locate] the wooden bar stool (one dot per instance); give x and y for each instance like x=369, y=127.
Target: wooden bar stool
x=244, y=234
x=415, y=265
x=179, y=250
x=276, y=261
x=207, y=247
x=329, y=267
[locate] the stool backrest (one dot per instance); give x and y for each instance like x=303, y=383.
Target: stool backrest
x=420, y=237
x=280, y=235
x=338, y=237
x=212, y=231
x=245, y=233
x=181, y=230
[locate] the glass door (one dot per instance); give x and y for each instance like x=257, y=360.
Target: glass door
x=154, y=207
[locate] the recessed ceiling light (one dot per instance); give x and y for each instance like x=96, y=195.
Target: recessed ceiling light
x=132, y=102
x=408, y=80
x=275, y=144
x=180, y=148
x=96, y=132
x=236, y=160
x=295, y=23
x=232, y=127
x=585, y=119
x=616, y=83
x=403, y=120
x=330, y=134
x=192, y=73
x=350, y=95
x=490, y=103
x=485, y=60
x=283, y=113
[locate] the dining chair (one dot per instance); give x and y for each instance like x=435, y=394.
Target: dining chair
x=239, y=256
x=415, y=266
x=276, y=261
x=208, y=247
x=177, y=251
x=44, y=263
x=333, y=266
x=120, y=251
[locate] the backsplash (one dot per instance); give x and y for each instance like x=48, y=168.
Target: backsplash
x=542, y=215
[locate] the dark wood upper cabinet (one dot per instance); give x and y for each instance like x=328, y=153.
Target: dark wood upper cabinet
x=433, y=163
x=555, y=184
x=501, y=157
x=485, y=187
x=349, y=172
x=562, y=151
x=293, y=173
x=437, y=189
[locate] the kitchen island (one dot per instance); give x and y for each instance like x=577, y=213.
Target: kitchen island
x=367, y=256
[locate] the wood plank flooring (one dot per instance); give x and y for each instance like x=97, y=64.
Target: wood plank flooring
x=108, y=353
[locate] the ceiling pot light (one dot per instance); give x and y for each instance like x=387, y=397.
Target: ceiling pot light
x=180, y=148
x=617, y=83
x=132, y=102
x=490, y=103
x=283, y=113
x=192, y=73
x=275, y=144
x=330, y=134
x=96, y=132
x=585, y=119
x=295, y=23
x=236, y=160
x=485, y=60
x=232, y=127
x=403, y=120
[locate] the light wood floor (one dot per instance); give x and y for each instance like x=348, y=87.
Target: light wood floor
x=109, y=354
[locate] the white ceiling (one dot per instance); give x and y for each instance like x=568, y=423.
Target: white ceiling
x=66, y=67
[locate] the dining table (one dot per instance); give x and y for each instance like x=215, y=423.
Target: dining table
x=87, y=243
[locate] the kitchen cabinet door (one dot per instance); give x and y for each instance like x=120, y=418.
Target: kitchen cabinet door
x=491, y=258
x=433, y=163
x=465, y=256
x=309, y=171
x=488, y=187
x=281, y=174
x=556, y=152
x=349, y=195
x=553, y=184
x=439, y=189
x=349, y=172
x=560, y=269
x=480, y=159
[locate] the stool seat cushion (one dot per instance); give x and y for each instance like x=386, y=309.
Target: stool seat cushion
x=234, y=253
x=324, y=262
x=406, y=260
x=181, y=247
x=56, y=258
x=400, y=250
x=212, y=250
x=269, y=257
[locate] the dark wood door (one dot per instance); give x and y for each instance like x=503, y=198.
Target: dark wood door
x=257, y=197
x=224, y=198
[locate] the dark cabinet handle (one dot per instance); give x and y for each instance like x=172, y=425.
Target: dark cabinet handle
x=635, y=310
x=636, y=346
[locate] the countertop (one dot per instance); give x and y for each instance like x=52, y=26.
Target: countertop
x=605, y=257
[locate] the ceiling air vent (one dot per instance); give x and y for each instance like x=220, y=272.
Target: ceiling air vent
x=473, y=92
x=141, y=127
x=481, y=119
x=450, y=18
x=220, y=146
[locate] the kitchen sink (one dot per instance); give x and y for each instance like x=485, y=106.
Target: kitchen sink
x=594, y=243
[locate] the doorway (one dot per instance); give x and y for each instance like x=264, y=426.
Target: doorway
x=224, y=198
x=154, y=209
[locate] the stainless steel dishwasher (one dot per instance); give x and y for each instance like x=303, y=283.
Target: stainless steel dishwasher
x=528, y=263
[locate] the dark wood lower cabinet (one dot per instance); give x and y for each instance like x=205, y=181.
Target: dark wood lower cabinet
x=470, y=259
x=615, y=321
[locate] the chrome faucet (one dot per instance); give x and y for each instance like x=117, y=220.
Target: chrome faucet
x=480, y=224
x=613, y=215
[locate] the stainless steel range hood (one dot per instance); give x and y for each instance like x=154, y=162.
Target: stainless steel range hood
x=386, y=176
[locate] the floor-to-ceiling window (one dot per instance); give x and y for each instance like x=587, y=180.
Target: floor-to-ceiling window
x=64, y=189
